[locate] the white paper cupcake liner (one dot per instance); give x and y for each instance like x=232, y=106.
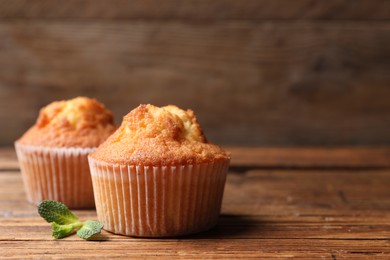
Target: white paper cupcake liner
x=158, y=201
x=60, y=174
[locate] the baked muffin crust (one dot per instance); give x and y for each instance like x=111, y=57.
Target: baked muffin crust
x=79, y=122
x=155, y=136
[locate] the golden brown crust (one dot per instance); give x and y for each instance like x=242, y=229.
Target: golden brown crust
x=79, y=122
x=156, y=136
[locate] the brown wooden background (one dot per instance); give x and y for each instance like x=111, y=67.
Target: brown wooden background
x=272, y=73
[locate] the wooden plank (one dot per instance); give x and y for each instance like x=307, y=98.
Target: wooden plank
x=270, y=83
x=308, y=192
x=237, y=227
x=198, y=249
x=196, y=9
x=326, y=193
x=8, y=160
x=244, y=158
x=310, y=157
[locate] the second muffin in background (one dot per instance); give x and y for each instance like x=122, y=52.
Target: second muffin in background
x=53, y=153
x=158, y=176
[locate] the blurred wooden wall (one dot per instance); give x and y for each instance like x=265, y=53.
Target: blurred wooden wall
x=272, y=73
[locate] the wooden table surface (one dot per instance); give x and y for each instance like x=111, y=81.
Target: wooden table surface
x=279, y=203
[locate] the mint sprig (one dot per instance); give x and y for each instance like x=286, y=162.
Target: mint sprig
x=64, y=222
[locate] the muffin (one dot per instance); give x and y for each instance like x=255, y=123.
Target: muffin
x=158, y=176
x=53, y=153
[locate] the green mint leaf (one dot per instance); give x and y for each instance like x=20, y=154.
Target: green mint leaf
x=60, y=231
x=64, y=222
x=89, y=229
x=54, y=211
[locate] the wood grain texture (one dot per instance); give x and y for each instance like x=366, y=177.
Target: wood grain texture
x=248, y=158
x=310, y=157
x=264, y=83
x=8, y=160
x=267, y=213
x=310, y=192
x=196, y=9
x=194, y=249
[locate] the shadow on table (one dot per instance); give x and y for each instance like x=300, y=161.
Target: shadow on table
x=230, y=226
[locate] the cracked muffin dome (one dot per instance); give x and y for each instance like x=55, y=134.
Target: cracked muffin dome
x=79, y=122
x=150, y=135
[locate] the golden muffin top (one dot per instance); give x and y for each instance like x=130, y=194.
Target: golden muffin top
x=79, y=122
x=155, y=136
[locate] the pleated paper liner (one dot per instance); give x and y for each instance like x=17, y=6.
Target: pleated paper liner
x=158, y=201
x=60, y=174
